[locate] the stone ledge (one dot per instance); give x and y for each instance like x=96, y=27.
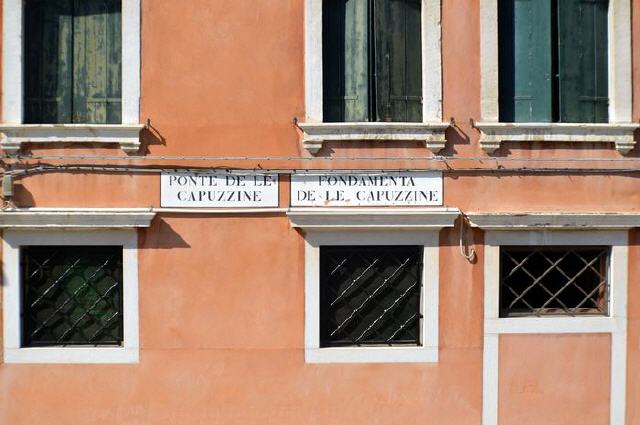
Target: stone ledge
x=14, y=136
x=492, y=134
x=372, y=218
x=554, y=220
x=79, y=218
x=315, y=134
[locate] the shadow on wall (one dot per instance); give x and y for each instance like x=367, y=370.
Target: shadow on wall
x=22, y=197
x=160, y=236
x=149, y=136
x=635, y=152
x=455, y=136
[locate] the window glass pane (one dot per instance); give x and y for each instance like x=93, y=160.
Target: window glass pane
x=71, y=295
x=370, y=295
x=346, y=60
x=48, y=53
x=536, y=281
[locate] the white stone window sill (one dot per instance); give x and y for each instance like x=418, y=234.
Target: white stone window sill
x=492, y=134
x=88, y=355
x=315, y=134
x=125, y=135
x=372, y=355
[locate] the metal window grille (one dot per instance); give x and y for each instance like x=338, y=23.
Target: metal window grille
x=537, y=281
x=370, y=295
x=71, y=295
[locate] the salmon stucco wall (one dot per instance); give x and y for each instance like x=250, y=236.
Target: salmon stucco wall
x=222, y=295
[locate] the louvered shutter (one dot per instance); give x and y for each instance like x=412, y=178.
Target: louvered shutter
x=398, y=64
x=345, y=60
x=583, y=60
x=525, y=55
x=97, y=42
x=48, y=61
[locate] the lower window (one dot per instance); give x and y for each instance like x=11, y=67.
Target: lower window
x=370, y=295
x=554, y=280
x=71, y=295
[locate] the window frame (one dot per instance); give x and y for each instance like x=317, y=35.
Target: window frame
x=13, y=128
x=620, y=127
x=427, y=351
x=430, y=131
x=14, y=352
x=372, y=226
x=523, y=230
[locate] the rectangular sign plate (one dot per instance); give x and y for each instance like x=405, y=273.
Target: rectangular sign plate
x=218, y=190
x=382, y=189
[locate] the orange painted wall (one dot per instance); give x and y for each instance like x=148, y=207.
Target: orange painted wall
x=221, y=296
x=554, y=379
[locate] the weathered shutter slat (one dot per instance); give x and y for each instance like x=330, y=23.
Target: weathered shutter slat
x=48, y=61
x=525, y=56
x=97, y=62
x=398, y=76
x=345, y=58
x=583, y=60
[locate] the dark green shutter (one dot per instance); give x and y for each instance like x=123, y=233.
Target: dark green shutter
x=48, y=61
x=97, y=62
x=398, y=65
x=583, y=60
x=525, y=55
x=73, y=61
x=345, y=59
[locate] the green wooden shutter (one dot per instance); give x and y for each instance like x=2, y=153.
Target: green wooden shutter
x=398, y=63
x=583, y=60
x=97, y=58
x=525, y=60
x=345, y=60
x=48, y=61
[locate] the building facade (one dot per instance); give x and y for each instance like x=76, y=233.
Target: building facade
x=320, y=212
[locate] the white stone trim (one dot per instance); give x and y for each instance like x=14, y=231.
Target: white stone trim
x=78, y=218
x=615, y=323
x=620, y=88
x=433, y=131
x=125, y=135
x=12, y=88
x=12, y=52
x=431, y=134
x=427, y=352
x=14, y=353
x=317, y=219
x=131, y=51
x=553, y=220
x=492, y=134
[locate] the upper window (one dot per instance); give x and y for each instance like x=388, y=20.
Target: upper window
x=73, y=61
x=553, y=61
x=372, y=60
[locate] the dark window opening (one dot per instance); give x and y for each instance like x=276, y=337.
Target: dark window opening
x=372, y=60
x=553, y=60
x=73, y=62
x=370, y=295
x=537, y=281
x=71, y=295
